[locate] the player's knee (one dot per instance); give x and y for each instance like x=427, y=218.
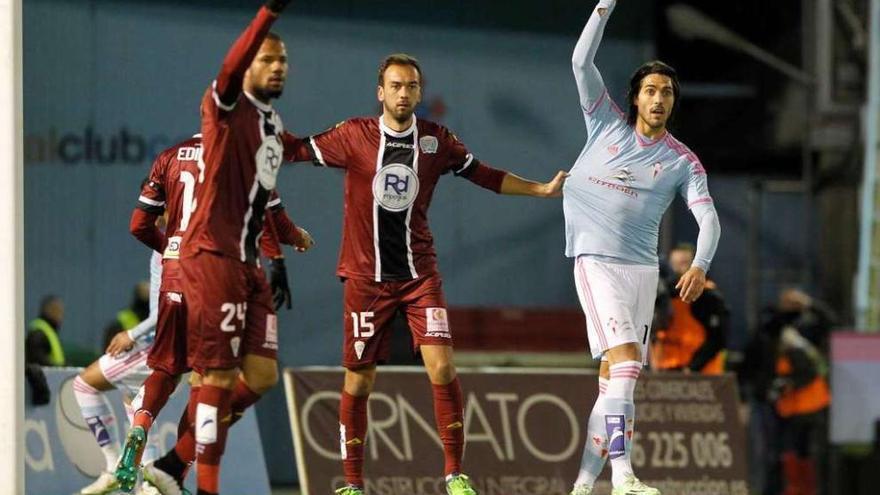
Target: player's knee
x=441, y=372
x=625, y=352
x=222, y=378
x=359, y=383
x=262, y=379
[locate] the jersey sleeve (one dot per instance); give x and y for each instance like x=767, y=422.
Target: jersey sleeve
x=150, y=206
x=278, y=229
x=296, y=149
x=330, y=148
x=152, y=196
x=462, y=163
x=694, y=186
x=596, y=104
x=226, y=89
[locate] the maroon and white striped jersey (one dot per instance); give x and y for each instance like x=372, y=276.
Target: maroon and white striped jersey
x=241, y=155
x=389, y=182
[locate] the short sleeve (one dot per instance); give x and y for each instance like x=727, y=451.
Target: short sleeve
x=330, y=148
x=457, y=158
x=274, y=203
x=152, y=196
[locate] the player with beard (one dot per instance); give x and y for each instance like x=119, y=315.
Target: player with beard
x=228, y=299
x=168, y=193
x=628, y=173
x=387, y=262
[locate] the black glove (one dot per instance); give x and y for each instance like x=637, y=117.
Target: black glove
x=276, y=5
x=278, y=281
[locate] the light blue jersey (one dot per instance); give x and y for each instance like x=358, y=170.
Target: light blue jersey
x=622, y=182
x=144, y=333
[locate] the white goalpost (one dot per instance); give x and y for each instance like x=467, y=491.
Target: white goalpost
x=11, y=256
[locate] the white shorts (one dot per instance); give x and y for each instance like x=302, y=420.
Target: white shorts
x=128, y=371
x=618, y=301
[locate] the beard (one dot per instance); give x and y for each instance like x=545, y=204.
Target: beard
x=266, y=93
x=398, y=114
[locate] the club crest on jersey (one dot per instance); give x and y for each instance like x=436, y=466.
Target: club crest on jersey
x=395, y=187
x=268, y=162
x=235, y=344
x=428, y=144
x=613, y=149
x=658, y=167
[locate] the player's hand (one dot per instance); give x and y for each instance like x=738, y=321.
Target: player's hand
x=690, y=286
x=278, y=282
x=120, y=344
x=276, y=6
x=305, y=240
x=553, y=189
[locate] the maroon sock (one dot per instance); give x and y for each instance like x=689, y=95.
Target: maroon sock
x=242, y=398
x=449, y=415
x=186, y=431
x=211, y=426
x=157, y=388
x=353, y=431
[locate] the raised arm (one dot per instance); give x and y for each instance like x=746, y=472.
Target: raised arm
x=589, y=81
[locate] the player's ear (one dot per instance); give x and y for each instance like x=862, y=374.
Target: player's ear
x=380, y=93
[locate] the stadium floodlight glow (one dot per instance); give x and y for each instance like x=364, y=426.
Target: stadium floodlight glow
x=689, y=23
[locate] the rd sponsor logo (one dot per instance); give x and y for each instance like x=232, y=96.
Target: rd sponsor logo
x=395, y=187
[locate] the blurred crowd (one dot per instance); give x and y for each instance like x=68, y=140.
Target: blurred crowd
x=45, y=344
x=782, y=373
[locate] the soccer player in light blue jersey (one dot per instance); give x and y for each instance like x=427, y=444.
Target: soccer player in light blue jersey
x=621, y=184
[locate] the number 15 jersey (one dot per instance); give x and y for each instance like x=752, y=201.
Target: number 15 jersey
x=389, y=182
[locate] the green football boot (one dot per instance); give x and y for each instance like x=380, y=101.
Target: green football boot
x=350, y=490
x=632, y=486
x=582, y=490
x=127, y=469
x=459, y=484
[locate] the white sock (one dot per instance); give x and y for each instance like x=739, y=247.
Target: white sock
x=99, y=416
x=129, y=414
x=596, y=447
x=620, y=418
x=152, y=450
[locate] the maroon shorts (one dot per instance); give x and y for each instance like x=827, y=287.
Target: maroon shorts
x=169, y=349
x=369, y=307
x=230, y=313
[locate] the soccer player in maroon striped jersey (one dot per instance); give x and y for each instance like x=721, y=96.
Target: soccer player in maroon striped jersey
x=228, y=298
x=169, y=191
x=388, y=262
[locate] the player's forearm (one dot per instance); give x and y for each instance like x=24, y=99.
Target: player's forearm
x=143, y=227
x=241, y=54
x=144, y=327
x=710, y=234
x=285, y=229
x=516, y=185
x=295, y=148
x=269, y=245
x=589, y=81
